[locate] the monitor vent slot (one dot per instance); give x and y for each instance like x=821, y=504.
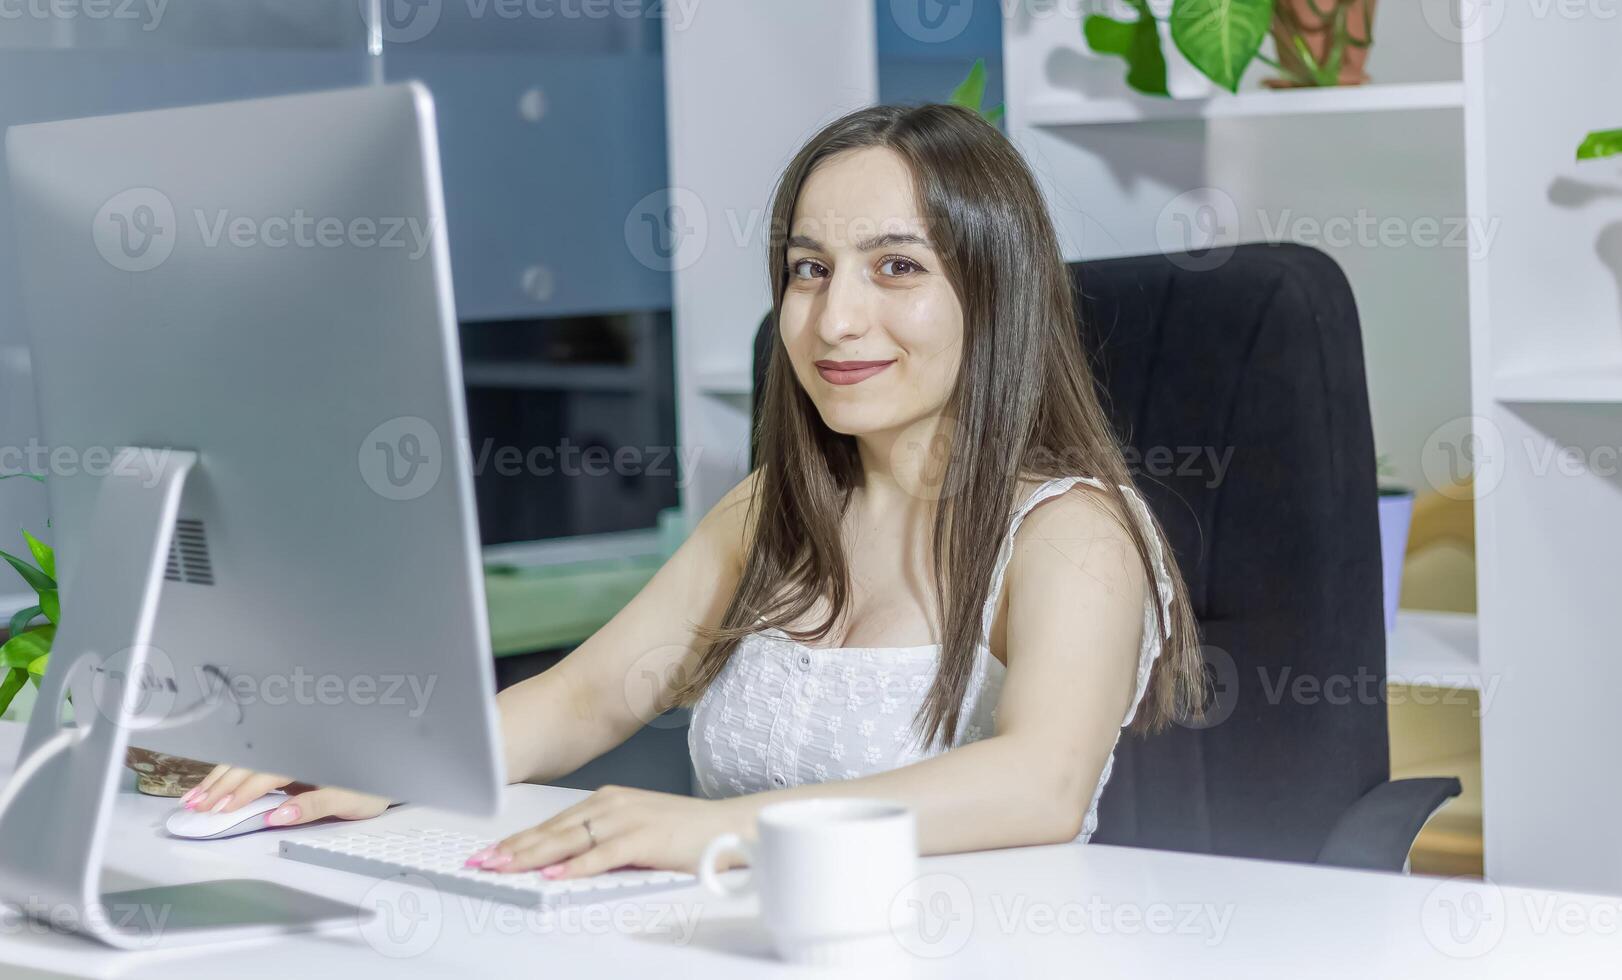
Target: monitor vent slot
x=188, y=554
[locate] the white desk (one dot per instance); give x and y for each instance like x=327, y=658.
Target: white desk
x=1069, y=910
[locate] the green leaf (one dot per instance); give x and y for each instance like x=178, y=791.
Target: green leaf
x=44, y=555
x=1221, y=37
x=20, y=621
x=1106, y=35
x=15, y=679
x=1136, y=41
x=36, y=579
x=36, y=667
x=50, y=603
x=972, y=90
x=1601, y=143
x=32, y=476
x=24, y=648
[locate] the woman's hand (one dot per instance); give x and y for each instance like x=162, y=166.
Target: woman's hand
x=628, y=827
x=228, y=788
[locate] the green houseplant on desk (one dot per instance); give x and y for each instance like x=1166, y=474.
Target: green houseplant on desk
x=28, y=641
x=27, y=651
x=28, y=637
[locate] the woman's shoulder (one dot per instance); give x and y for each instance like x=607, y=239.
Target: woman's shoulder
x=1075, y=516
x=1074, y=495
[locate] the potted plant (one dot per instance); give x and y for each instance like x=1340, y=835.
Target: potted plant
x=28, y=639
x=1601, y=143
x=971, y=93
x=1318, y=42
x=27, y=651
x=1396, y=512
x=28, y=636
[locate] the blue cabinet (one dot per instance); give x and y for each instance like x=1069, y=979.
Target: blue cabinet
x=545, y=157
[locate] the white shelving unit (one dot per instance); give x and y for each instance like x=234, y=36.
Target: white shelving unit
x=728, y=143
x=1138, y=108
x=725, y=382
x=1601, y=384
x=1487, y=266
x=1434, y=649
x=1546, y=365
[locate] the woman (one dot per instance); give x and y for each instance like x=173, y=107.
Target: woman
x=938, y=587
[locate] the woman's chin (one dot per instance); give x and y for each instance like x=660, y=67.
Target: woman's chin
x=849, y=420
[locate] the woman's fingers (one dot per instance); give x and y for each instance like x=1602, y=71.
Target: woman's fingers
x=214, y=786
x=228, y=790
x=205, y=783
x=562, y=836
x=319, y=803
x=562, y=843
x=571, y=817
x=610, y=854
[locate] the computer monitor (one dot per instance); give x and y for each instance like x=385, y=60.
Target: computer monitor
x=246, y=356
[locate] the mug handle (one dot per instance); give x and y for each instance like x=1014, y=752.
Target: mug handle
x=711, y=879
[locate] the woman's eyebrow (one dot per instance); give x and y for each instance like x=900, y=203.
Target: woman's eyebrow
x=886, y=240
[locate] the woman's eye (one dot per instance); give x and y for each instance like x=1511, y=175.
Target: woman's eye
x=898, y=266
x=806, y=269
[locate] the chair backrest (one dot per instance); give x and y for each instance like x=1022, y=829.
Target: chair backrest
x=1237, y=388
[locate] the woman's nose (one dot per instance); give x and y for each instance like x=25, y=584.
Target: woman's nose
x=845, y=314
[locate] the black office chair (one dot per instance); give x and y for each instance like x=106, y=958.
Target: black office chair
x=1237, y=387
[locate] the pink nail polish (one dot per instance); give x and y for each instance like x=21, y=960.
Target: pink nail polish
x=191, y=794
x=282, y=815
x=216, y=808
x=552, y=870
x=498, y=860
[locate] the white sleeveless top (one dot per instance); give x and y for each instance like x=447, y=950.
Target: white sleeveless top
x=782, y=714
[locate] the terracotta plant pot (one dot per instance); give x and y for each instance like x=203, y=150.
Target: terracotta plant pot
x=164, y=775
x=1300, y=18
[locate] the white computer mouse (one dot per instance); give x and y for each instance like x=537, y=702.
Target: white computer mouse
x=245, y=819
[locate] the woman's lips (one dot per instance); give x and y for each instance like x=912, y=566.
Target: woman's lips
x=850, y=372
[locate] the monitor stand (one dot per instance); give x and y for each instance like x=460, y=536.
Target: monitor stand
x=59, y=800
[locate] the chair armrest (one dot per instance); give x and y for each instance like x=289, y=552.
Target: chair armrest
x=1377, y=831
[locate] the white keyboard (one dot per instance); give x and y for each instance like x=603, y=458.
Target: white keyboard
x=439, y=856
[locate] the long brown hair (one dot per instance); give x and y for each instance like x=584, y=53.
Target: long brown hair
x=1024, y=387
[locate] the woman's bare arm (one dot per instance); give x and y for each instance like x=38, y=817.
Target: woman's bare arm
x=604, y=691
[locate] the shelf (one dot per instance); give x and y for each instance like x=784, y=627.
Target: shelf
x=557, y=377
x=725, y=382
x=1288, y=102
x=1434, y=649
x=1602, y=384
x=555, y=552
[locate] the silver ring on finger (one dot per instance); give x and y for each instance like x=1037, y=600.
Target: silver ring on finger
x=586, y=823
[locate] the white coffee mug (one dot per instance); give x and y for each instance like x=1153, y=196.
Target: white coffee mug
x=836, y=877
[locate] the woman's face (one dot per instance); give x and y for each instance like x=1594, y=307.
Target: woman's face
x=871, y=325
